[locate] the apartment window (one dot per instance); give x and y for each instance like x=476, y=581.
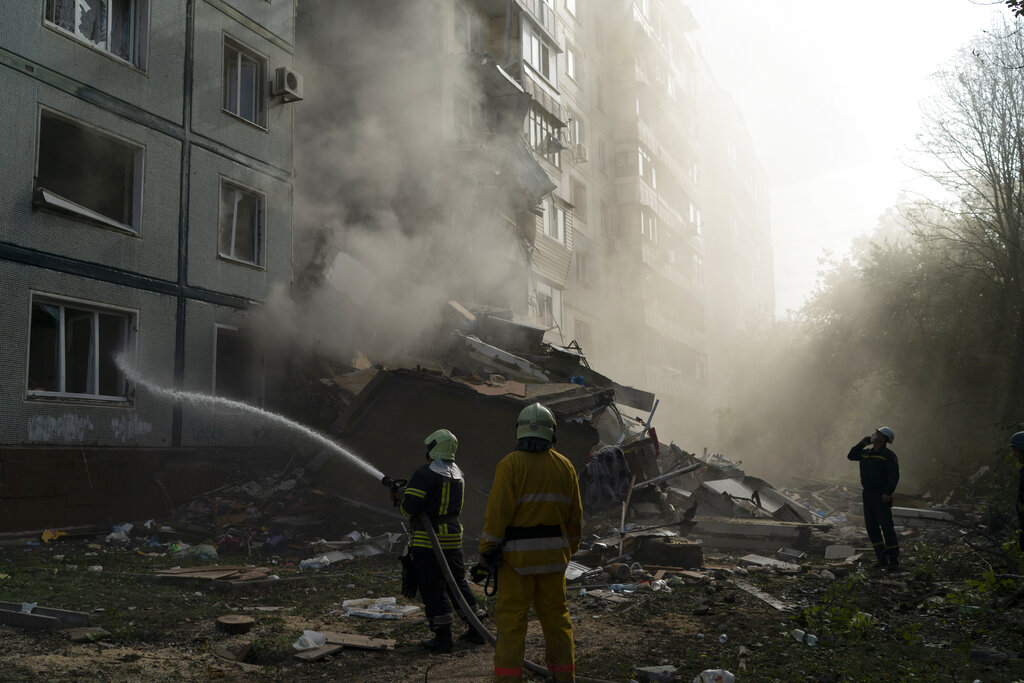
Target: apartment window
x=570, y=7
x=88, y=174
x=469, y=29
x=608, y=226
x=236, y=374
x=572, y=64
x=245, y=87
x=582, y=267
x=73, y=347
x=470, y=117
x=649, y=224
x=554, y=222
x=646, y=168
x=542, y=135
x=539, y=54
x=242, y=224
x=548, y=303
x=576, y=130
x=696, y=220
x=117, y=27
x=579, y=198
x=698, y=270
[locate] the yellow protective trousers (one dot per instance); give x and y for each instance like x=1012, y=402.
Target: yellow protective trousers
x=547, y=593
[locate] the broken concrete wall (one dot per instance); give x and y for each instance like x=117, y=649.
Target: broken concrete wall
x=386, y=426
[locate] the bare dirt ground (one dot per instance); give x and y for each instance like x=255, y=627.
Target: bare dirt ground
x=953, y=615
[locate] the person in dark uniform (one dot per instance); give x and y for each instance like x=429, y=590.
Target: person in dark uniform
x=879, y=474
x=437, y=489
x=1017, y=445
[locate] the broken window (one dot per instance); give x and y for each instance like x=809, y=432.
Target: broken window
x=241, y=224
x=88, y=174
x=245, y=75
x=469, y=30
x=73, y=350
x=117, y=27
x=236, y=373
x=548, y=305
x=542, y=135
x=470, y=116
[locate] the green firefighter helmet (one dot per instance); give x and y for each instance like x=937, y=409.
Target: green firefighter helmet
x=537, y=421
x=441, y=445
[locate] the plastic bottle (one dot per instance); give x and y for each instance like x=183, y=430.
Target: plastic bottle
x=808, y=639
x=622, y=587
x=723, y=639
x=583, y=592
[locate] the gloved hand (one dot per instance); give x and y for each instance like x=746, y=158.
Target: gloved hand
x=479, y=573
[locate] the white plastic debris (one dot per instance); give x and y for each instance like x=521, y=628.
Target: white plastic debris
x=377, y=608
x=321, y=561
x=27, y=607
x=714, y=676
x=310, y=640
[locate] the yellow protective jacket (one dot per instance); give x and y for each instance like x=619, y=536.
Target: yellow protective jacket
x=534, y=510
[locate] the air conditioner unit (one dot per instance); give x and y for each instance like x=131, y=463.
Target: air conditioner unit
x=582, y=152
x=287, y=84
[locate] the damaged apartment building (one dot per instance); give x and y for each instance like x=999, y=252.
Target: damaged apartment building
x=452, y=207
x=147, y=184
x=573, y=163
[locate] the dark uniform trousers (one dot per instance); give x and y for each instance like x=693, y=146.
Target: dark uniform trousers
x=434, y=589
x=880, y=527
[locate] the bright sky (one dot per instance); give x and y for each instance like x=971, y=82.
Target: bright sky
x=831, y=94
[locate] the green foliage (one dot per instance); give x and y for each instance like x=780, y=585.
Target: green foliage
x=838, y=613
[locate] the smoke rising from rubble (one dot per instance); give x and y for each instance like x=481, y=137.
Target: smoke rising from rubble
x=376, y=185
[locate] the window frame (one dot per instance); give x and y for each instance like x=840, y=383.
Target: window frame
x=130, y=341
x=258, y=386
x=49, y=199
x=261, y=93
x=260, y=243
x=138, y=32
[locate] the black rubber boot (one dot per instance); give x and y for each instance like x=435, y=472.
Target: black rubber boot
x=882, y=559
x=893, y=560
x=472, y=636
x=441, y=642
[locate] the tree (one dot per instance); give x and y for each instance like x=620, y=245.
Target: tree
x=975, y=133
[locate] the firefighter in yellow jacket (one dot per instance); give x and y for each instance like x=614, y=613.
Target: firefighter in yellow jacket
x=534, y=516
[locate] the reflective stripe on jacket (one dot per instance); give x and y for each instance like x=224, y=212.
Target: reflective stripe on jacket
x=534, y=490
x=441, y=498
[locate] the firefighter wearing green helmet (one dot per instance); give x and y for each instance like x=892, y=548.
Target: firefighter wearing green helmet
x=535, y=517
x=437, y=489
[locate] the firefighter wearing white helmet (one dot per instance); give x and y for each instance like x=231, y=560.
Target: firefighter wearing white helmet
x=535, y=517
x=879, y=474
x=437, y=489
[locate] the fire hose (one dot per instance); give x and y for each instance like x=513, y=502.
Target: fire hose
x=468, y=613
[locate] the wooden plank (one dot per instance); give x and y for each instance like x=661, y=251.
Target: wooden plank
x=317, y=653
x=659, y=575
x=33, y=621
x=208, y=576
x=200, y=569
x=761, y=595
x=65, y=616
x=360, y=641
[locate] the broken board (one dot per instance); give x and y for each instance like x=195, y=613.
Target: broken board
x=761, y=595
x=359, y=641
x=40, y=617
